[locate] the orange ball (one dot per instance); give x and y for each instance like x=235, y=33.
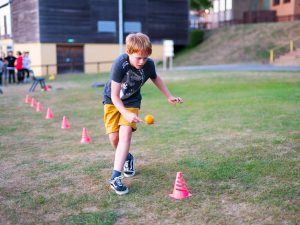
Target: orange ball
x=149, y=119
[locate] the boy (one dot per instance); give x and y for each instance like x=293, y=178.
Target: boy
x=122, y=101
x=11, y=67
x=26, y=66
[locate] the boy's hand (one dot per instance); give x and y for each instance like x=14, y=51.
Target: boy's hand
x=174, y=100
x=132, y=118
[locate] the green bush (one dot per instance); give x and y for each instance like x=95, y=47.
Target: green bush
x=195, y=38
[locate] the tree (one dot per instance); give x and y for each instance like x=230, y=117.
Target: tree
x=200, y=4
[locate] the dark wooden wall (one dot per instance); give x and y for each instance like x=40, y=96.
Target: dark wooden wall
x=63, y=20
x=168, y=20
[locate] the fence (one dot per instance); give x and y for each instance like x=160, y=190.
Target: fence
x=284, y=49
x=73, y=67
x=249, y=17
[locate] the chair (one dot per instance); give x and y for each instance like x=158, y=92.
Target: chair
x=36, y=81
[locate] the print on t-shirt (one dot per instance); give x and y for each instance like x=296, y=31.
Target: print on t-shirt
x=131, y=83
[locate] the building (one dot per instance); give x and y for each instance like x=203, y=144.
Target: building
x=5, y=26
x=78, y=36
x=287, y=10
x=237, y=11
x=252, y=11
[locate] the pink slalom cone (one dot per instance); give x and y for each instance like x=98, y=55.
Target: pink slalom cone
x=65, y=124
x=27, y=99
x=180, y=190
x=39, y=107
x=49, y=114
x=33, y=103
x=85, y=137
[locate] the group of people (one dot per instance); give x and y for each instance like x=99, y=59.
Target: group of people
x=11, y=64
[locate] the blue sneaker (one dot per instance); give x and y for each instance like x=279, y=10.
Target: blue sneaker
x=117, y=186
x=129, y=170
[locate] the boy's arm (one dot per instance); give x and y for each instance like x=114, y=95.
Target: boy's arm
x=163, y=88
x=115, y=97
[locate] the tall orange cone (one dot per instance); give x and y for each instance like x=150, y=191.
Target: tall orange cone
x=85, y=137
x=65, y=124
x=33, y=103
x=49, y=114
x=39, y=107
x=27, y=99
x=180, y=190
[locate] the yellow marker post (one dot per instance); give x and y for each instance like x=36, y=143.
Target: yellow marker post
x=271, y=55
x=291, y=45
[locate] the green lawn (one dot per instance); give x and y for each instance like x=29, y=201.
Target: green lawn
x=236, y=139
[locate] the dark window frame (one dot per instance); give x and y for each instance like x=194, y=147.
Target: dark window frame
x=276, y=2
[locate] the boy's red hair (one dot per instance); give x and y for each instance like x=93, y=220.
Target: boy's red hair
x=138, y=42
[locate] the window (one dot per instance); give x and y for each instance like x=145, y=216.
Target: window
x=131, y=27
x=228, y=4
x=222, y=5
x=286, y=1
x=216, y=6
x=106, y=26
x=276, y=2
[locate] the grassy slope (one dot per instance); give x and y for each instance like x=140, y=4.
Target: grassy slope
x=236, y=139
x=239, y=44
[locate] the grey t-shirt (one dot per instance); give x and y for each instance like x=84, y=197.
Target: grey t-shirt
x=131, y=80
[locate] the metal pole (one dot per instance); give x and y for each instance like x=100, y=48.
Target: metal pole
x=120, y=26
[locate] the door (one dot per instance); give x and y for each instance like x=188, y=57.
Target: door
x=70, y=59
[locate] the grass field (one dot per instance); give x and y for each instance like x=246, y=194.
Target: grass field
x=236, y=139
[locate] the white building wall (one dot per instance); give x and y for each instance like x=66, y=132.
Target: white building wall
x=6, y=44
x=5, y=12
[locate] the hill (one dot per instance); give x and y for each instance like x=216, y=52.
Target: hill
x=247, y=43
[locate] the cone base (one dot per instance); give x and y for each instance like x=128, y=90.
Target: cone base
x=85, y=141
x=179, y=197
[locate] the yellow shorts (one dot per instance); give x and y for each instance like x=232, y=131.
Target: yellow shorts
x=113, y=119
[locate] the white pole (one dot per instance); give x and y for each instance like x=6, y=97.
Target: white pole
x=120, y=26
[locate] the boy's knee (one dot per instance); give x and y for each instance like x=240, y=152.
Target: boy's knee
x=125, y=133
x=114, y=138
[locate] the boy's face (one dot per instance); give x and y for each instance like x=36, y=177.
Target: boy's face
x=138, y=60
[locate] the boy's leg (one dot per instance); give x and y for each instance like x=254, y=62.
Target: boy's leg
x=114, y=139
x=9, y=76
x=13, y=75
x=5, y=77
x=125, y=134
x=129, y=168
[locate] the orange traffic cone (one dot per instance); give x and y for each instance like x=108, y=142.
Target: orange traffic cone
x=33, y=103
x=180, y=190
x=27, y=99
x=39, y=107
x=85, y=137
x=49, y=114
x=65, y=124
